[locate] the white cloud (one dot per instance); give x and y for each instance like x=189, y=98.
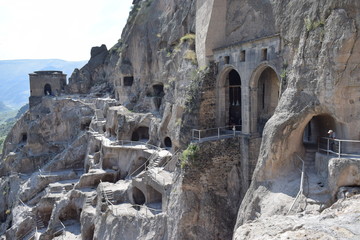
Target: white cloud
x=64, y=29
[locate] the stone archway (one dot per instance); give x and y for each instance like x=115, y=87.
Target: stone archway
x=265, y=90
x=316, y=128
x=229, y=100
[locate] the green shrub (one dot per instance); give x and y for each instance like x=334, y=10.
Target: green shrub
x=190, y=55
x=189, y=155
x=311, y=25
x=188, y=37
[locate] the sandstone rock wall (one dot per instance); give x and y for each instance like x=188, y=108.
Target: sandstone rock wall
x=319, y=46
x=205, y=200
x=104, y=158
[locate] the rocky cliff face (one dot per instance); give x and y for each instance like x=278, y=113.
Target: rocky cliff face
x=320, y=48
x=104, y=159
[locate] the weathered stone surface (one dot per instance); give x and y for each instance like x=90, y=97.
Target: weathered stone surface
x=158, y=83
x=316, y=78
x=340, y=221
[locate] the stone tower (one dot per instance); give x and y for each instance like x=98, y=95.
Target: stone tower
x=45, y=83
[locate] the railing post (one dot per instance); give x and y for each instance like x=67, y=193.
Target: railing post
x=218, y=132
x=327, y=149
x=339, y=149
x=199, y=135
x=234, y=130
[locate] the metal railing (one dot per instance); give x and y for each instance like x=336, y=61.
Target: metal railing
x=215, y=133
x=28, y=235
x=339, y=147
x=301, y=190
x=174, y=155
x=130, y=175
x=126, y=143
x=59, y=229
x=147, y=208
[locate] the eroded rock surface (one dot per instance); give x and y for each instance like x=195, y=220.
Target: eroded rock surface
x=252, y=84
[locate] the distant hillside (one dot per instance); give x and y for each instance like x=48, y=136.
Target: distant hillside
x=3, y=107
x=14, y=77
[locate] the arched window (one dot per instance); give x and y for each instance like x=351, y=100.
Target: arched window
x=47, y=90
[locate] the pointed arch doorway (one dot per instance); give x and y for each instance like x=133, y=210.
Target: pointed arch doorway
x=229, y=99
x=234, y=99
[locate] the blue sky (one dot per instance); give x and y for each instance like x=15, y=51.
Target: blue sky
x=62, y=29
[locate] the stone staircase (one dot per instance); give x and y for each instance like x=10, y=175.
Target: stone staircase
x=109, y=195
x=89, y=201
x=30, y=235
x=317, y=193
x=39, y=223
x=154, y=160
x=309, y=160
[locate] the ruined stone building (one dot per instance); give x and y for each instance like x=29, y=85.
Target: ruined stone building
x=207, y=120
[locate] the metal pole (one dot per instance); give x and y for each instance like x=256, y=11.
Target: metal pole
x=199, y=135
x=218, y=132
x=327, y=149
x=339, y=149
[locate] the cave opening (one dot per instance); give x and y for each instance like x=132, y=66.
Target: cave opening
x=140, y=134
x=158, y=94
x=167, y=142
x=317, y=128
x=128, y=81
x=23, y=137
x=138, y=196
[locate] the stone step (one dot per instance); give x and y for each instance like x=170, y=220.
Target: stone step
x=109, y=194
x=156, y=161
x=30, y=235
x=39, y=223
x=89, y=200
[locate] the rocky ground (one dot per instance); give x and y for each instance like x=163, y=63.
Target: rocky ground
x=340, y=221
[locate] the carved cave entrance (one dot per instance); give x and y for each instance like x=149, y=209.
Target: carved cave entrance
x=128, y=81
x=23, y=138
x=70, y=212
x=138, y=196
x=167, y=142
x=234, y=98
x=153, y=198
x=140, y=134
x=267, y=97
x=317, y=128
x=47, y=90
x=158, y=94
